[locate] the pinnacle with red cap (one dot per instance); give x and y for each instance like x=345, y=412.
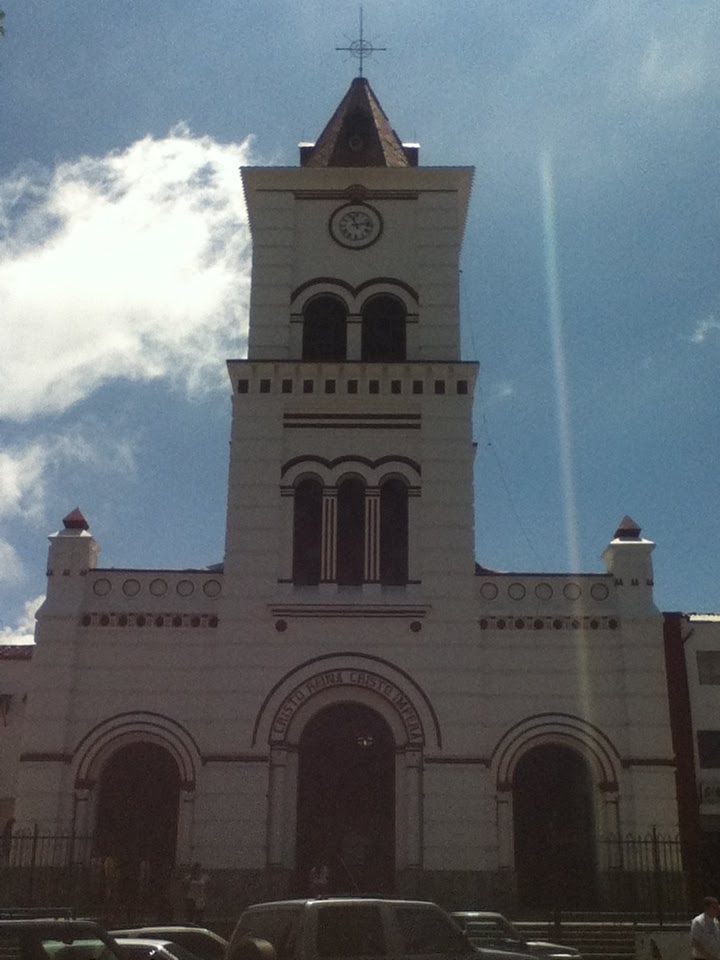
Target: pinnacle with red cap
x=628, y=530
x=75, y=521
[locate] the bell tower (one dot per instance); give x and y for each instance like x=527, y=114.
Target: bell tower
x=351, y=460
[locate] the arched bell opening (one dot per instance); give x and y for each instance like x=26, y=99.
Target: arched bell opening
x=384, y=337
x=324, y=329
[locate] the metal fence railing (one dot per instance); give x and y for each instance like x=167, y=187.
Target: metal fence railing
x=63, y=870
x=646, y=875
x=641, y=875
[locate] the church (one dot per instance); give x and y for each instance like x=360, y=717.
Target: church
x=350, y=689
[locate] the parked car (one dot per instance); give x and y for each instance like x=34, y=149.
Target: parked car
x=59, y=939
x=205, y=944
x=147, y=948
x=351, y=927
x=486, y=929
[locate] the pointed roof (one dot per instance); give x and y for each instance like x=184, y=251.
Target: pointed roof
x=628, y=530
x=358, y=135
x=75, y=521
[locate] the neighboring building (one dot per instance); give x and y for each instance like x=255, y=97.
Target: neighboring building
x=693, y=657
x=349, y=687
x=15, y=664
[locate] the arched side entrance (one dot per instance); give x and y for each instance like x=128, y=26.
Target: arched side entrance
x=554, y=828
x=137, y=823
x=558, y=795
x=346, y=800
x=94, y=754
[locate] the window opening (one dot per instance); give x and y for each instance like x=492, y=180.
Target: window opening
x=351, y=532
x=307, y=532
x=383, y=330
x=324, y=330
x=393, y=533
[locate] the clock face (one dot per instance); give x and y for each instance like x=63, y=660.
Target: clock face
x=355, y=225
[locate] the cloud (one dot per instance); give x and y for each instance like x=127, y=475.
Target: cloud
x=130, y=266
x=11, y=566
x=703, y=328
x=24, y=630
x=26, y=467
x=680, y=64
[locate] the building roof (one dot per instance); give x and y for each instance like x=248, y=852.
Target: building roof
x=358, y=135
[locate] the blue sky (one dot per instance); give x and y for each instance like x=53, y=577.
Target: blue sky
x=124, y=262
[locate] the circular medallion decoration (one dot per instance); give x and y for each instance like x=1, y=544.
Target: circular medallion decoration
x=516, y=591
x=101, y=588
x=158, y=587
x=355, y=225
x=131, y=588
x=488, y=591
x=185, y=588
x=572, y=591
x=599, y=591
x=212, y=588
x=543, y=591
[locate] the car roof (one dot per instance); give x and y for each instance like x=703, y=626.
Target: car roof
x=309, y=900
x=54, y=923
x=167, y=928
x=146, y=941
x=479, y=914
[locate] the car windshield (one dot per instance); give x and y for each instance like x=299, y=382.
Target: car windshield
x=352, y=930
x=87, y=948
x=274, y=925
x=137, y=951
x=490, y=928
x=425, y=931
x=201, y=944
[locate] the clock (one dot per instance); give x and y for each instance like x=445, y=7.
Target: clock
x=355, y=225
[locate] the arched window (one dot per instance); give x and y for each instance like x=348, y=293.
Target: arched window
x=383, y=330
x=324, y=329
x=351, y=531
x=393, y=533
x=307, y=532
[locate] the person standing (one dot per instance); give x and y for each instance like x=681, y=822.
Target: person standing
x=195, y=894
x=705, y=931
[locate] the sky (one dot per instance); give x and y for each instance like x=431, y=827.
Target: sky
x=590, y=285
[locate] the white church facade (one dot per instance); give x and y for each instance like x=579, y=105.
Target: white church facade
x=349, y=687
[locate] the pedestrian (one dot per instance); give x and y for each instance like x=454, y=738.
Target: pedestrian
x=705, y=931
x=195, y=894
x=6, y=840
x=319, y=879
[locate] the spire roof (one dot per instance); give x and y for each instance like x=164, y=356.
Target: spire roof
x=628, y=530
x=75, y=521
x=358, y=135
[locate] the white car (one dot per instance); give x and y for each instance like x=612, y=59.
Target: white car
x=487, y=929
x=203, y=943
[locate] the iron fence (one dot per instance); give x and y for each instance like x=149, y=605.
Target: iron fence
x=640, y=875
x=644, y=874
x=65, y=870
x=50, y=870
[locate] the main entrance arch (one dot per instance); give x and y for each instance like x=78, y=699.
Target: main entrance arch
x=360, y=693
x=346, y=799
x=554, y=828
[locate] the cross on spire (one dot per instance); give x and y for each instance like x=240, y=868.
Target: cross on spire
x=361, y=49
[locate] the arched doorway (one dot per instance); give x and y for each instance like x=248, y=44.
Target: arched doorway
x=554, y=823
x=346, y=800
x=137, y=822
